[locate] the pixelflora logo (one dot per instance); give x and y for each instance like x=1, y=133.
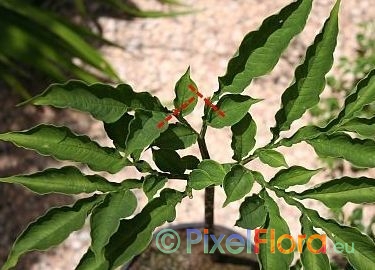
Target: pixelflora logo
x=168, y=241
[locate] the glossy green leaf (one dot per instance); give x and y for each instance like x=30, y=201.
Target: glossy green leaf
x=237, y=183
x=185, y=99
x=168, y=161
x=362, y=255
x=177, y=136
x=91, y=262
x=309, y=80
x=253, y=213
x=234, y=107
x=190, y=162
x=105, y=218
x=134, y=235
x=243, y=137
x=358, y=152
x=310, y=260
x=51, y=229
x=336, y=193
x=261, y=50
x=63, y=144
x=303, y=134
x=152, y=184
x=271, y=158
x=365, y=127
x=143, y=130
x=119, y=130
x=292, y=176
x=274, y=221
x=67, y=180
x=208, y=173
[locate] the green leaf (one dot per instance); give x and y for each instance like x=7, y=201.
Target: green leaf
x=168, y=161
x=358, y=152
x=309, y=80
x=51, y=229
x=143, y=166
x=253, y=213
x=190, y=162
x=292, y=176
x=143, y=130
x=105, y=218
x=362, y=256
x=185, y=99
x=362, y=126
x=91, y=262
x=67, y=180
x=119, y=130
x=134, y=235
x=209, y=173
x=336, y=193
x=131, y=184
x=63, y=144
x=303, y=134
x=102, y=101
x=260, y=50
x=177, y=136
x=274, y=221
x=271, y=158
x=310, y=260
x=243, y=137
x=237, y=183
x=152, y=184
x=234, y=107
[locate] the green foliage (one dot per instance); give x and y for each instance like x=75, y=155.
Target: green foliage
x=132, y=121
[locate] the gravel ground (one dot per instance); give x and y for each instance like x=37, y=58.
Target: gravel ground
x=156, y=53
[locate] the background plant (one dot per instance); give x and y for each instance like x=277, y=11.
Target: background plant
x=130, y=119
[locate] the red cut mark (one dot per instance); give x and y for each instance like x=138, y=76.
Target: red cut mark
x=207, y=101
x=221, y=113
x=176, y=112
x=214, y=107
x=169, y=117
x=184, y=106
x=191, y=100
x=192, y=88
x=160, y=124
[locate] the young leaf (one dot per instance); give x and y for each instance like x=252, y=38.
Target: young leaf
x=168, y=161
x=260, y=50
x=51, y=229
x=310, y=260
x=177, y=136
x=105, y=218
x=309, y=81
x=253, y=213
x=234, y=107
x=275, y=222
x=143, y=130
x=118, y=131
x=152, y=184
x=272, y=158
x=67, y=180
x=362, y=126
x=358, y=152
x=184, y=95
x=208, y=173
x=292, y=176
x=361, y=247
x=237, y=183
x=135, y=234
x=243, y=137
x=336, y=193
x=63, y=144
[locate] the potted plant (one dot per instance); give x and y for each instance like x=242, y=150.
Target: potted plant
x=137, y=122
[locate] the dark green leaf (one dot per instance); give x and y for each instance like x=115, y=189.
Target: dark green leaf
x=177, y=136
x=190, y=162
x=152, y=184
x=243, y=137
x=303, y=134
x=292, y=176
x=185, y=99
x=209, y=173
x=271, y=158
x=253, y=213
x=91, y=262
x=118, y=131
x=168, y=161
x=363, y=126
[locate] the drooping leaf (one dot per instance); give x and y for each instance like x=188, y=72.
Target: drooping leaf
x=272, y=158
x=135, y=234
x=62, y=143
x=208, y=173
x=243, y=137
x=294, y=175
x=310, y=260
x=143, y=130
x=260, y=50
x=237, y=183
x=362, y=126
x=177, y=136
x=67, y=180
x=358, y=152
x=118, y=131
x=253, y=213
x=168, y=161
x=303, y=134
x=51, y=229
x=185, y=99
x=275, y=259
x=234, y=107
x=105, y=218
x=336, y=193
x=309, y=81
x=361, y=247
x=152, y=184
